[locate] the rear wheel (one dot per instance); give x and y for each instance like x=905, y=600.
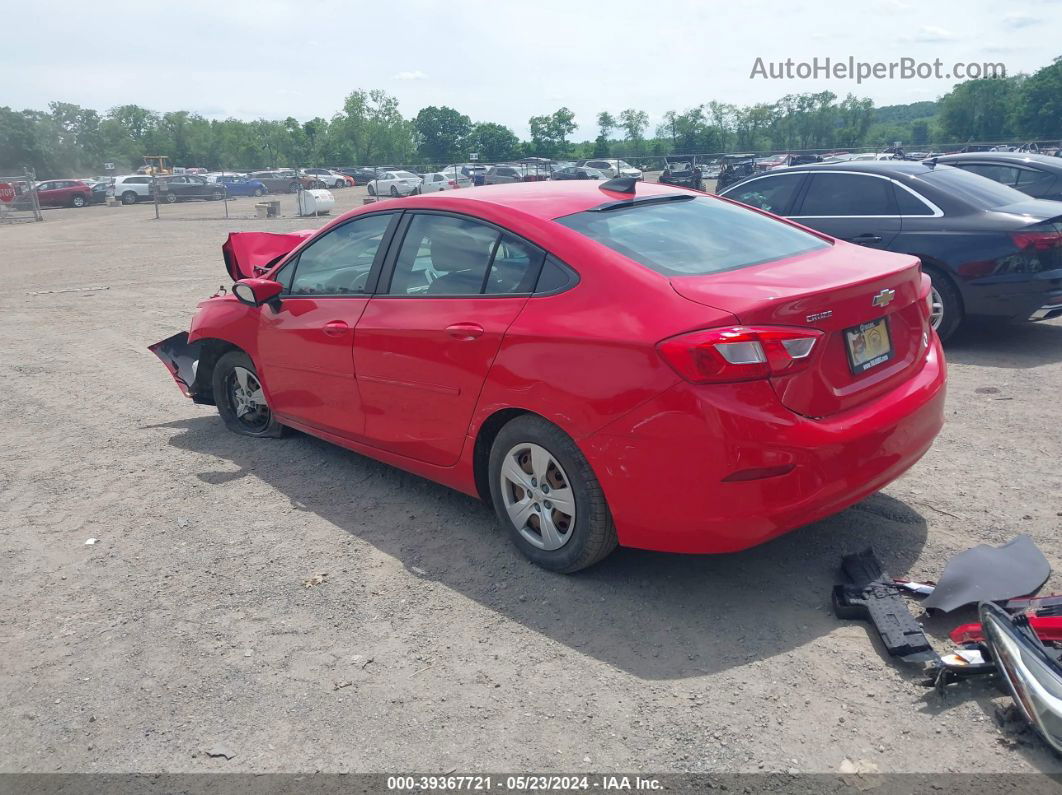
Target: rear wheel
x=394, y=190
x=547, y=496
x=240, y=399
x=340, y=183
x=258, y=192
x=169, y=198
x=372, y=189
x=78, y=200
x=947, y=312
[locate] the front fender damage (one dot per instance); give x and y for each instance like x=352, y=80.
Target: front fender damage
x=182, y=358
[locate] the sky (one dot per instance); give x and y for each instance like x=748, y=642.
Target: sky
x=494, y=60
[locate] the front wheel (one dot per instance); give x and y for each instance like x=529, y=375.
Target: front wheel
x=394, y=190
x=547, y=496
x=240, y=399
x=170, y=198
x=946, y=313
x=258, y=192
x=372, y=190
x=129, y=197
x=340, y=184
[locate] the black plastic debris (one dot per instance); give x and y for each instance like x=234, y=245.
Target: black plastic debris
x=990, y=574
x=871, y=595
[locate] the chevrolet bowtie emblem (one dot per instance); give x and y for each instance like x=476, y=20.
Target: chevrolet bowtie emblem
x=884, y=298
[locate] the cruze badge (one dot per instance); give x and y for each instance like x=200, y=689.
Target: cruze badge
x=819, y=316
x=884, y=298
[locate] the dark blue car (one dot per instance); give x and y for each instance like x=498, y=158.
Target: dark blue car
x=239, y=186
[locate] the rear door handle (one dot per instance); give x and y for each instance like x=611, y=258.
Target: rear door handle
x=465, y=331
x=867, y=237
x=336, y=328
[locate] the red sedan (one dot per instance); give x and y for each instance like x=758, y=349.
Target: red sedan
x=606, y=363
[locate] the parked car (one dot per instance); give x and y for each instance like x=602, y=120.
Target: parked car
x=239, y=185
x=503, y=175
x=734, y=168
x=361, y=176
x=278, y=181
x=578, y=172
x=643, y=373
x=99, y=191
x=394, y=183
x=1036, y=175
x=182, y=187
x=613, y=168
x=990, y=250
x=433, y=182
x=63, y=193
x=131, y=188
x=326, y=177
x=458, y=175
x=683, y=173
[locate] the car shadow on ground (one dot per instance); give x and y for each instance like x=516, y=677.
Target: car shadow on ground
x=1010, y=345
x=657, y=616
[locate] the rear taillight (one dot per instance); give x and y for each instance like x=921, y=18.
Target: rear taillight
x=739, y=353
x=1037, y=241
x=453, y=183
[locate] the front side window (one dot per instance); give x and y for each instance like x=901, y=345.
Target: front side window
x=839, y=195
x=774, y=194
x=339, y=262
x=687, y=237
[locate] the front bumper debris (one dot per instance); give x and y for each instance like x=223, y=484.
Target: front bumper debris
x=181, y=358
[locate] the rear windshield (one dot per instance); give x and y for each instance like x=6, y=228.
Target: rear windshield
x=695, y=236
x=979, y=191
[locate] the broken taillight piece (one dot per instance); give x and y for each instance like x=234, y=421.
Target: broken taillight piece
x=739, y=353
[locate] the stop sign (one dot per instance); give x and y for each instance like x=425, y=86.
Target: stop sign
x=7, y=192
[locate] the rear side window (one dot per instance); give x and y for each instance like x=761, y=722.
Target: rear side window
x=909, y=204
x=694, y=236
x=839, y=195
x=773, y=194
x=978, y=191
x=1005, y=175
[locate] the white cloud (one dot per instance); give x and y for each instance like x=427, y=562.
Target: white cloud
x=931, y=34
x=1018, y=21
x=414, y=75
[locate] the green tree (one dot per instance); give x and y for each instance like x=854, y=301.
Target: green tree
x=370, y=120
x=442, y=134
x=1039, y=113
x=980, y=110
x=549, y=134
x=493, y=142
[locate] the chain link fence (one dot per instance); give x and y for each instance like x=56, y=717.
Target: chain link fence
x=18, y=199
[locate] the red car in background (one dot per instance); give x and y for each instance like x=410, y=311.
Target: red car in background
x=64, y=193
x=605, y=362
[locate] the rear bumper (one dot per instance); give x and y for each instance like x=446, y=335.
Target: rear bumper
x=1016, y=297
x=663, y=466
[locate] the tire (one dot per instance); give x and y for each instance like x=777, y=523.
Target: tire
x=372, y=190
x=589, y=534
x=340, y=183
x=226, y=383
x=169, y=198
x=78, y=201
x=129, y=197
x=258, y=192
x=946, y=296
x=394, y=191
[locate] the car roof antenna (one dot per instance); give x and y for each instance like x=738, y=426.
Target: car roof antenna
x=619, y=184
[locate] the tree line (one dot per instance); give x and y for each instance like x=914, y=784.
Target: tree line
x=369, y=129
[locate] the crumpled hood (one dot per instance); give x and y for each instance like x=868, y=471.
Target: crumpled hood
x=245, y=251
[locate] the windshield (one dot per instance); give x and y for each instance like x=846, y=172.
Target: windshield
x=689, y=237
x=403, y=175
x=980, y=191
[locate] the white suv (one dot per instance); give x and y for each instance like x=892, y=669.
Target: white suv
x=131, y=188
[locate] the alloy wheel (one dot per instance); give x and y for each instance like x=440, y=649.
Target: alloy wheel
x=246, y=398
x=538, y=496
x=936, y=312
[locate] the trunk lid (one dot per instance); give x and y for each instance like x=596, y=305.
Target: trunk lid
x=247, y=254
x=839, y=291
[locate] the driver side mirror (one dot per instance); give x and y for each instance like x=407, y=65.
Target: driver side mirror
x=255, y=292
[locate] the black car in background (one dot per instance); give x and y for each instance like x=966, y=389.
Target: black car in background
x=361, y=176
x=990, y=250
x=683, y=173
x=181, y=187
x=577, y=172
x=1038, y=176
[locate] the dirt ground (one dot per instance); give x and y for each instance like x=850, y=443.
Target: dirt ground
x=429, y=643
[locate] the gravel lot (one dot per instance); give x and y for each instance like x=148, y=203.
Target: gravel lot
x=429, y=644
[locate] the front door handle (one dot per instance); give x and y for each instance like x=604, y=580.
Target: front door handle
x=465, y=331
x=866, y=238
x=336, y=328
